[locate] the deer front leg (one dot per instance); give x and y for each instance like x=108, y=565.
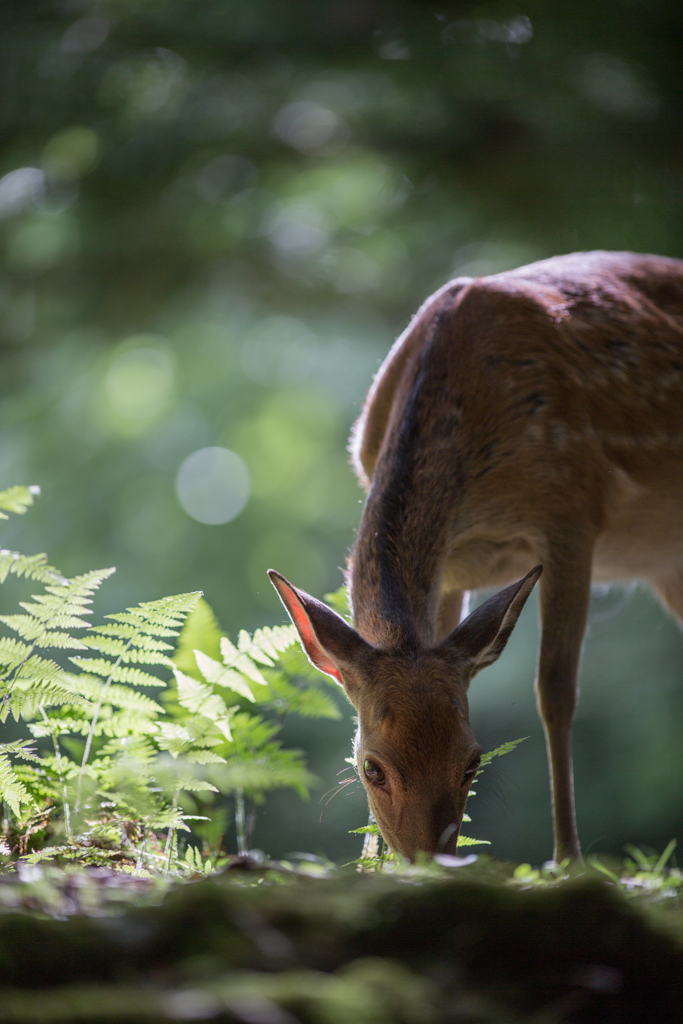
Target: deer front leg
x=454, y=606
x=669, y=590
x=564, y=599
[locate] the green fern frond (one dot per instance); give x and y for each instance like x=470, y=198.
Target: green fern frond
x=20, y=748
x=17, y=500
x=12, y=652
x=126, y=723
x=12, y=789
x=58, y=726
x=240, y=660
x=267, y=643
x=61, y=606
x=204, y=757
x=228, y=678
x=504, y=748
x=338, y=600
x=279, y=769
x=164, y=617
x=173, y=737
x=32, y=629
x=135, y=677
x=39, y=682
x=201, y=631
x=309, y=702
x=118, y=673
x=118, y=696
x=32, y=567
x=127, y=651
x=198, y=786
x=201, y=700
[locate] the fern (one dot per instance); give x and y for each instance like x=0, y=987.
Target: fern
x=201, y=631
x=124, y=767
x=137, y=629
x=12, y=790
x=504, y=748
x=339, y=600
x=17, y=500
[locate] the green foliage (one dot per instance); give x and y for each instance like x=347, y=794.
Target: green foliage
x=339, y=600
x=121, y=767
x=201, y=632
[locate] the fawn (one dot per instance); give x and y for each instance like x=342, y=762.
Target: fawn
x=534, y=416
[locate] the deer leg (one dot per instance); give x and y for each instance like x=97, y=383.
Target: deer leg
x=453, y=608
x=669, y=590
x=564, y=599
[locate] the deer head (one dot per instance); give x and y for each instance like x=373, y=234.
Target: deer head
x=415, y=750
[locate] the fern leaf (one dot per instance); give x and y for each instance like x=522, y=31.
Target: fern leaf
x=32, y=567
x=504, y=748
x=201, y=700
x=119, y=630
x=136, y=677
x=83, y=586
x=198, y=786
x=204, y=757
x=309, y=702
x=150, y=654
x=228, y=678
x=58, y=726
x=260, y=774
x=130, y=700
x=50, y=638
x=237, y=659
x=96, y=666
x=159, y=616
x=201, y=631
x=126, y=723
x=119, y=673
x=173, y=737
x=268, y=643
x=19, y=747
x=12, y=652
x=17, y=500
x=339, y=601
x=12, y=789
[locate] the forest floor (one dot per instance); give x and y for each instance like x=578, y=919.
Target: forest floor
x=279, y=943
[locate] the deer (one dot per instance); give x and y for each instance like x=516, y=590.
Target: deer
x=526, y=425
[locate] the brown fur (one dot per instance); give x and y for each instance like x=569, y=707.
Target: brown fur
x=532, y=416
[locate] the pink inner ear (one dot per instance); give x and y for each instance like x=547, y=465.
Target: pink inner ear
x=309, y=640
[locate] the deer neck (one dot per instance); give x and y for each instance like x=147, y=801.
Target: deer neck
x=395, y=570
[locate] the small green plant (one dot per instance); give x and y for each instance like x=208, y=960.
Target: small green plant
x=110, y=775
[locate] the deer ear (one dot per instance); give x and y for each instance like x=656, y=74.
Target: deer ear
x=330, y=643
x=482, y=636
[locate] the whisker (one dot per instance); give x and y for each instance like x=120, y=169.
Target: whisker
x=336, y=789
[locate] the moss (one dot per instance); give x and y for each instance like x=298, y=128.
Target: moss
x=347, y=950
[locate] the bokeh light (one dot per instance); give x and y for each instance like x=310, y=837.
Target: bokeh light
x=138, y=384
x=279, y=351
x=212, y=485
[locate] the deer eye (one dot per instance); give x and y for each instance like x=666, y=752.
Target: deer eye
x=473, y=768
x=373, y=772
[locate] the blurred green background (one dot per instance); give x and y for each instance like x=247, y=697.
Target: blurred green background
x=215, y=217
